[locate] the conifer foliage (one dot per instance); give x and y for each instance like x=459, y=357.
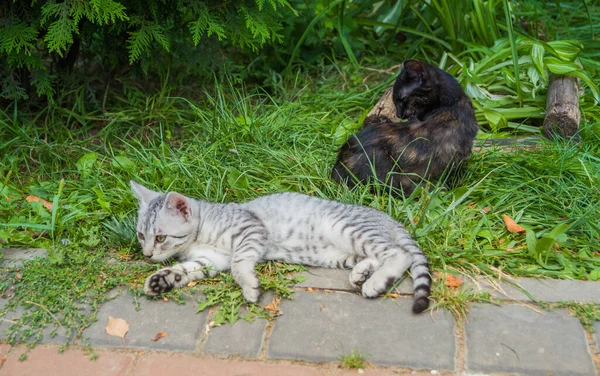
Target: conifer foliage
x=40, y=38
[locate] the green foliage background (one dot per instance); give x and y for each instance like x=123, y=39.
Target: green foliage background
x=502, y=51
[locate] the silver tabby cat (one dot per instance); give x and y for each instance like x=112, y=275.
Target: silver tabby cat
x=289, y=227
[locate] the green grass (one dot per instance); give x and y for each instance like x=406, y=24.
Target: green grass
x=354, y=360
x=454, y=299
x=587, y=313
x=233, y=144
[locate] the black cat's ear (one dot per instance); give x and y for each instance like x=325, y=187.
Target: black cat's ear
x=143, y=194
x=413, y=69
x=179, y=205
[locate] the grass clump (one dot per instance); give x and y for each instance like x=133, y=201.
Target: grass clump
x=587, y=313
x=354, y=360
x=227, y=295
x=455, y=299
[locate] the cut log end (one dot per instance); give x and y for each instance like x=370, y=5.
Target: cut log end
x=562, y=108
x=385, y=107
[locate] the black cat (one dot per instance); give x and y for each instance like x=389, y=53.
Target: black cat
x=436, y=133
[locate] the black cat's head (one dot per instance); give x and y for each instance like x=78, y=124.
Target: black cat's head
x=412, y=91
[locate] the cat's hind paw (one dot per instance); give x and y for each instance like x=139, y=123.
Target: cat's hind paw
x=362, y=271
x=163, y=281
x=376, y=285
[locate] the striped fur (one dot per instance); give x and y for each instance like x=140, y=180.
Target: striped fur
x=289, y=227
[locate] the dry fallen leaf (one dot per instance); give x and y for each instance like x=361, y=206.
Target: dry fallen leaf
x=165, y=299
x=471, y=205
x=310, y=289
x=273, y=307
x=47, y=204
x=159, y=336
x=511, y=225
x=117, y=327
x=486, y=209
x=192, y=284
x=393, y=295
x=453, y=281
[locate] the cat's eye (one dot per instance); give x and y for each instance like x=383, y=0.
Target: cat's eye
x=141, y=236
x=160, y=238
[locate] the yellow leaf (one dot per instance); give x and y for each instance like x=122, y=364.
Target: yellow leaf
x=453, y=281
x=273, y=307
x=192, y=284
x=117, y=327
x=47, y=204
x=511, y=225
x=159, y=336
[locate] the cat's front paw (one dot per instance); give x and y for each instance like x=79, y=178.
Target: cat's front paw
x=163, y=281
x=251, y=294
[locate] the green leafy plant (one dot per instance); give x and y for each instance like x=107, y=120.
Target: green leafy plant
x=354, y=360
x=67, y=31
x=225, y=293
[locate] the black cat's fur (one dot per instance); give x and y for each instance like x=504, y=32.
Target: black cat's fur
x=437, y=132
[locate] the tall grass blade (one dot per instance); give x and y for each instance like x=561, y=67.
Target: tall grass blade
x=513, y=46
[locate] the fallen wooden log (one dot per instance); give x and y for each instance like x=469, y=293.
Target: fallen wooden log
x=385, y=107
x=562, y=107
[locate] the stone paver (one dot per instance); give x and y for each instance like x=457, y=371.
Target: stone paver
x=337, y=279
x=243, y=338
x=514, y=338
x=163, y=364
x=321, y=327
x=13, y=316
x=543, y=290
x=48, y=361
x=182, y=325
x=15, y=256
x=4, y=349
x=174, y=364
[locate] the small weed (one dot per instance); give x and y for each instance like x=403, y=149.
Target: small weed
x=353, y=361
x=23, y=357
x=456, y=299
x=225, y=292
x=587, y=313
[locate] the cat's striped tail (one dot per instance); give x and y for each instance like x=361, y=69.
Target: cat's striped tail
x=419, y=269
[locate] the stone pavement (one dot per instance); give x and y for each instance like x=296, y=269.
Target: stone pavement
x=327, y=319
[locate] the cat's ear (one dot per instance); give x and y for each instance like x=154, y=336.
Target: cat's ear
x=179, y=205
x=414, y=69
x=143, y=194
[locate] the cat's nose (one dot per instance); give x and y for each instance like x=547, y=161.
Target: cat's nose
x=147, y=252
x=399, y=111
